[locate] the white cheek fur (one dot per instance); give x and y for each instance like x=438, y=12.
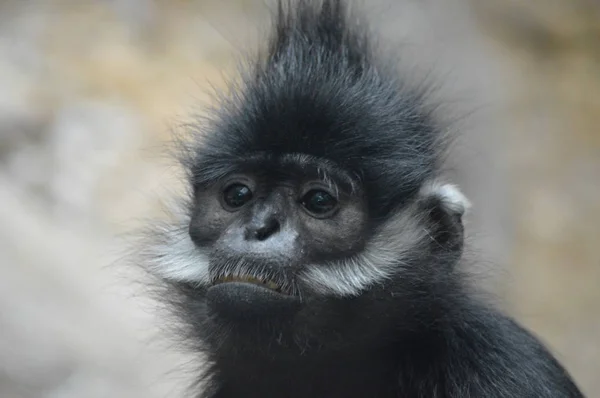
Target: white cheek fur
x=175, y=257
x=171, y=254
x=386, y=253
x=178, y=259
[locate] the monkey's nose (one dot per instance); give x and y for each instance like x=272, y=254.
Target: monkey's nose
x=263, y=230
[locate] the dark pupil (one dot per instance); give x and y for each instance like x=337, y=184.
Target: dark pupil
x=319, y=202
x=237, y=195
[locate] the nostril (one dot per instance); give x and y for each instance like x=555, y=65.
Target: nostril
x=269, y=228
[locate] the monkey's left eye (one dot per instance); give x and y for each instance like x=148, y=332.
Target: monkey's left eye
x=236, y=195
x=319, y=203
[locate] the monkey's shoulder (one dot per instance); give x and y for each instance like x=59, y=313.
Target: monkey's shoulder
x=483, y=354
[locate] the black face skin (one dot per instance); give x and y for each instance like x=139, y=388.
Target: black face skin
x=320, y=254
x=282, y=213
x=275, y=217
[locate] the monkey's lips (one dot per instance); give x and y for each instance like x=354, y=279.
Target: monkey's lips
x=252, y=280
x=246, y=297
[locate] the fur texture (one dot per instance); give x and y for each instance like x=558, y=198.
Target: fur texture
x=393, y=319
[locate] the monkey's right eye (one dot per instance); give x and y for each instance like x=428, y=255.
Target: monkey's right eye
x=319, y=203
x=236, y=195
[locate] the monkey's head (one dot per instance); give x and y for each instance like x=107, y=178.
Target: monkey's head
x=316, y=221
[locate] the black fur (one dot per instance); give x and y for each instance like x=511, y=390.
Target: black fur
x=322, y=90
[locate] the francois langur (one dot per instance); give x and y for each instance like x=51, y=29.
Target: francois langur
x=317, y=254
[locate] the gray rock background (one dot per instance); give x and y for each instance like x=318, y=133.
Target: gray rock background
x=92, y=90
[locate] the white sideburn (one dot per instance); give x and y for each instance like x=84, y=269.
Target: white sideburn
x=176, y=258
x=388, y=251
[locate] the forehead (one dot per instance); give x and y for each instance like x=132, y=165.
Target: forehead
x=276, y=167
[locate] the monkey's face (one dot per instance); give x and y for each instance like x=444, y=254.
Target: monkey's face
x=283, y=253
x=263, y=229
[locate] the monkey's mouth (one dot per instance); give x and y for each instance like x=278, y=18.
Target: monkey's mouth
x=246, y=297
x=264, y=283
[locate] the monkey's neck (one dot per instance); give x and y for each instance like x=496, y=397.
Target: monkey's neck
x=335, y=376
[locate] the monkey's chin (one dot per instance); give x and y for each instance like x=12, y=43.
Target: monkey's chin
x=248, y=301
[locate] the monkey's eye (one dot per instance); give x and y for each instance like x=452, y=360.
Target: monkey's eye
x=236, y=195
x=319, y=203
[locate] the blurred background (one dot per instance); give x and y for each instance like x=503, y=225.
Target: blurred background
x=90, y=92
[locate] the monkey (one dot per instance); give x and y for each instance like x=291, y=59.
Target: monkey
x=318, y=252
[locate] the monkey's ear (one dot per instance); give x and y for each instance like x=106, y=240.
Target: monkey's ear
x=444, y=206
x=449, y=197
